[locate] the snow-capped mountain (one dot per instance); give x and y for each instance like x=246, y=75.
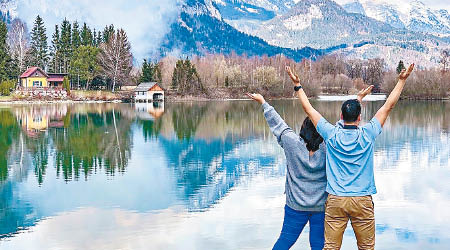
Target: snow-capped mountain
x=201, y=29
x=319, y=24
x=277, y=6
x=413, y=15
x=361, y=29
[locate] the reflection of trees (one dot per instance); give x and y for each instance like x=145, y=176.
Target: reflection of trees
x=91, y=141
x=8, y=133
x=38, y=148
x=150, y=128
x=186, y=119
x=206, y=171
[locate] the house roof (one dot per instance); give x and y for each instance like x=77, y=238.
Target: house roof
x=145, y=86
x=30, y=72
x=55, y=78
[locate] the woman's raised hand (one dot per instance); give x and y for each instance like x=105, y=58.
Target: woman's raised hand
x=257, y=97
x=294, y=77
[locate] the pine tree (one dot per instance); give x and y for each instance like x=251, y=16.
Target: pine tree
x=84, y=64
x=185, y=77
x=146, y=73
x=107, y=32
x=55, y=65
x=39, y=47
x=99, y=38
x=66, y=45
x=94, y=38
x=76, y=38
x=4, y=54
x=86, y=36
x=150, y=72
x=400, y=67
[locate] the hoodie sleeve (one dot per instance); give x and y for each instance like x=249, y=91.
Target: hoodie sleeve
x=276, y=124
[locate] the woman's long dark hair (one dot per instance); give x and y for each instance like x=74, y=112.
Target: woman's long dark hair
x=310, y=135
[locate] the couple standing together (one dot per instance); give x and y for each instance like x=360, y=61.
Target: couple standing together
x=330, y=176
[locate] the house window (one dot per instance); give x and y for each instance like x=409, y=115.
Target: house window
x=37, y=84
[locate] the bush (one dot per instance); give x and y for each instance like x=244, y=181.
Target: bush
x=422, y=84
x=6, y=87
x=66, y=85
x=312, y=88
x=344, y=83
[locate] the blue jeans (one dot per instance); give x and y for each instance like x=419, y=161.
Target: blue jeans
x=294, y=222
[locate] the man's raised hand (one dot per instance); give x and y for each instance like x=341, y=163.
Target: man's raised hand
x=294, y=77
x=364, y=92
x=257, y=97
x=405, y=73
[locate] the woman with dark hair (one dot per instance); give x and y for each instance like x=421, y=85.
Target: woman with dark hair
x=305, y=176
x=305, y=179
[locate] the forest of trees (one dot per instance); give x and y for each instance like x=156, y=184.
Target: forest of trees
x=332, y=74
x=102, y=59
x=91, y=58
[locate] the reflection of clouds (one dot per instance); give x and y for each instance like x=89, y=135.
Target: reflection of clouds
x=248, y=218
x=411, y=173
x=232, y=224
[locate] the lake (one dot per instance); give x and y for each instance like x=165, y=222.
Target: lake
x=200, y=175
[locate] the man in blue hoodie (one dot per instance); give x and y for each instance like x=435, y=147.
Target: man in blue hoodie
x=349, y=165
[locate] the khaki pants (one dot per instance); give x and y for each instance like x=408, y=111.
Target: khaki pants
x=359, y=209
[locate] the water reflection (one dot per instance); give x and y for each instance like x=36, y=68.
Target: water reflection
x=199, y=160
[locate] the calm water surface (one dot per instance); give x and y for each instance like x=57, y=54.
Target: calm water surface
x=206, y=175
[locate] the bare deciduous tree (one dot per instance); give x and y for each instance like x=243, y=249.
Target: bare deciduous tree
x=116, y=59
x=445, y=60
x=18, y=42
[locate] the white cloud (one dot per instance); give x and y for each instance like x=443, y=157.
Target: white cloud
x=146, y=22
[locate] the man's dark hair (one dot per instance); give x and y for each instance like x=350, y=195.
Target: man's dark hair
x=310, y=135
x=351, y=109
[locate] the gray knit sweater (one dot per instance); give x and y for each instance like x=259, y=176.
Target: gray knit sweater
x=305, y=177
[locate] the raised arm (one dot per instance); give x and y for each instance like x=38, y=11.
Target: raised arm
x=363, y=93
x=309, y=110
x=276, y=124
x=384, y=111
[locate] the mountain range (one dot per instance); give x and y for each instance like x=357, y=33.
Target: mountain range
x=412, y=15
x=200, y=29
x=299, y=29
x=362, y=29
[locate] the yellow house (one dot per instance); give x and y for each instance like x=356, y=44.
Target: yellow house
x=35, y=77
x=36, y=122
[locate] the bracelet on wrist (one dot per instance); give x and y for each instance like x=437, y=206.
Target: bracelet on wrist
x=297, y=88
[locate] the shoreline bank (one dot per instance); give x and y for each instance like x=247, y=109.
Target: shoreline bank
x=191, y=98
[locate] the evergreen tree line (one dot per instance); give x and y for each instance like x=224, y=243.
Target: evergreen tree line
x=99, y=59
x=8, y=65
